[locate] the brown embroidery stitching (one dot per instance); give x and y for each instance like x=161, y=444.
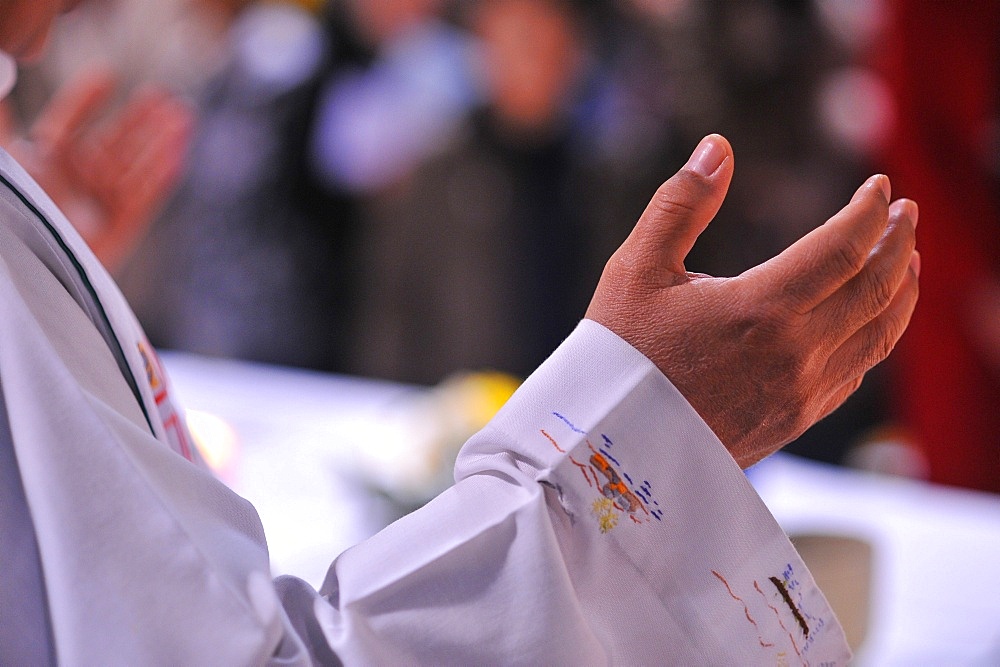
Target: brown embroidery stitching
x=777, y=616
x=746, y=609
x=553, y=441
x=780, y=585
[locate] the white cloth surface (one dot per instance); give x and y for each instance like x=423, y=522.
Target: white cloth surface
x=24, y=633
x=595, y=520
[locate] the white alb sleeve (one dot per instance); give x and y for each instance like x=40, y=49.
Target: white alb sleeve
x=595, y=520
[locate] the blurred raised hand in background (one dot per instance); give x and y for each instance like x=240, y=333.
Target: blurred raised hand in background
x=109, y=170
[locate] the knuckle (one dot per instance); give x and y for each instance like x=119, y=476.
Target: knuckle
x=885, y=291
x=878, y=343
x=763, y=324
x=671, y=205
x=676, y=196
x=885, y=345
x=774, y=336
x=879, y=292
x=849, y=255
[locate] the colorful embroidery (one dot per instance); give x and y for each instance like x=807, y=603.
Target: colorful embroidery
x=569, y=423
x=604, y=510
x=175, y=431
x=746, y=610
x=152, y=374
x=794, y=589
x=554, y=443
x=620, y=496
x=789, y=591
x=615, y=489
x=780, y=585
x=777, y=617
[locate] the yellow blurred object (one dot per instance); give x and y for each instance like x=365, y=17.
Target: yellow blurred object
x=410, y=456
x=216, y=439
x=481, y=395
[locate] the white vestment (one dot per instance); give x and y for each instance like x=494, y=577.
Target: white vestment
x=595, y=520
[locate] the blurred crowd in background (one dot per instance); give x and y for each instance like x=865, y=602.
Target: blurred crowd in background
x=408, y=188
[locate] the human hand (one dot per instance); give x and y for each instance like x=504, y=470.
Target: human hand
x=109, y=177
x=766, y=354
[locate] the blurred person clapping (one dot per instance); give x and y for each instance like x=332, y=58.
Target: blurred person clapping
x=109, y=172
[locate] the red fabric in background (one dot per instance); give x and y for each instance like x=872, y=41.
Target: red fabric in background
x=942, y=61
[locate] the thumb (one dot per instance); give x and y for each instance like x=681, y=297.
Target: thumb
x=683, y=206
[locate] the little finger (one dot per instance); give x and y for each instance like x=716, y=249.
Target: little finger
x=873, y=342
x=870, y=292
x=806, y=273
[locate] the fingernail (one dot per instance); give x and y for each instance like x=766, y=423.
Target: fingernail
x=915, y=263
x=912, y=211
x=708, y=156
x=905, y=209
x=883, y=182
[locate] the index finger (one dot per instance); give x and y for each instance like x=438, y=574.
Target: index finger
x=822, y=261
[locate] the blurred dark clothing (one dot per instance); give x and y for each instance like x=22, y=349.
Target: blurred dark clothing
x=257, y=257
x=252, y=259
x=485, y=257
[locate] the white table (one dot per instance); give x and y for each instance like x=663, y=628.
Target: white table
x=301, y=440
